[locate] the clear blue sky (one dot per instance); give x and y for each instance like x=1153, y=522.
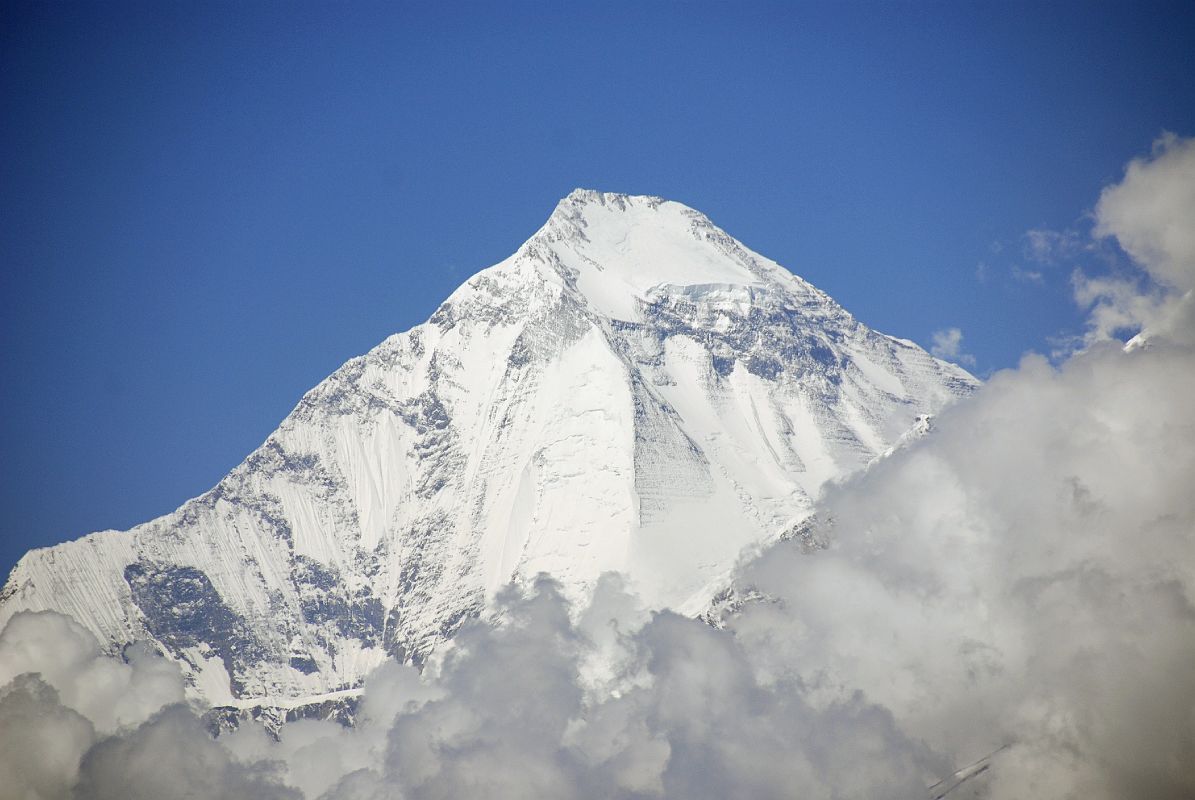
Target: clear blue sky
x=206, y=208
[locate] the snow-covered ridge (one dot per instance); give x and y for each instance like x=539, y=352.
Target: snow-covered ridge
x=619, y=247
x=632, y=390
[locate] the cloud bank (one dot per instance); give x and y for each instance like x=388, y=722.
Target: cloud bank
x=1021, y=582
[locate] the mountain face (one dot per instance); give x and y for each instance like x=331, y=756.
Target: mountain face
x=632, y=390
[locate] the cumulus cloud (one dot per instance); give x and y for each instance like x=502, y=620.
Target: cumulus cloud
x=169, y=756
x=948, y=345
x=684, y=714
x=1151, y=212
x=41, y=742
x=61, y=695
x=1019, y=584
x=109, y=692
x=1022, y=577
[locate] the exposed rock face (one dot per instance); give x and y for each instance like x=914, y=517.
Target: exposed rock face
x=632, y=390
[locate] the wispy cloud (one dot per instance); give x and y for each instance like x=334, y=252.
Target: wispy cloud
x=948, y=345
x=1048, y=247
x=1023, y=275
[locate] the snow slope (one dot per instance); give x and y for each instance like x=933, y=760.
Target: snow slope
x=632, y=390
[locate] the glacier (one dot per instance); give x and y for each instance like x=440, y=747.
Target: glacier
x=632, y=390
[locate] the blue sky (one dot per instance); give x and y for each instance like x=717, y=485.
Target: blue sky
x=205, y=209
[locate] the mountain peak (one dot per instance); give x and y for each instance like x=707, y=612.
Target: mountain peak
x=574, y=208
x=582, y=197
x=633, y=390
x=621, y=250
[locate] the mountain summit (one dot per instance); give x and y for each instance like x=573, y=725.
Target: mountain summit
x=621, y=249
x=632, y=390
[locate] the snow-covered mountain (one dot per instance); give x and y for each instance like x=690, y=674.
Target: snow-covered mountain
x=632, y=390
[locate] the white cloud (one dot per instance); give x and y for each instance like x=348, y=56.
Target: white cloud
x=41, y=742
x=111, y=693
x=1151, y=212
x=60, y=696
x=171, y=755
x=684, y=715
x=1022, y=275
x=947, y=345
x=1021, y=576
x=1048, y=247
